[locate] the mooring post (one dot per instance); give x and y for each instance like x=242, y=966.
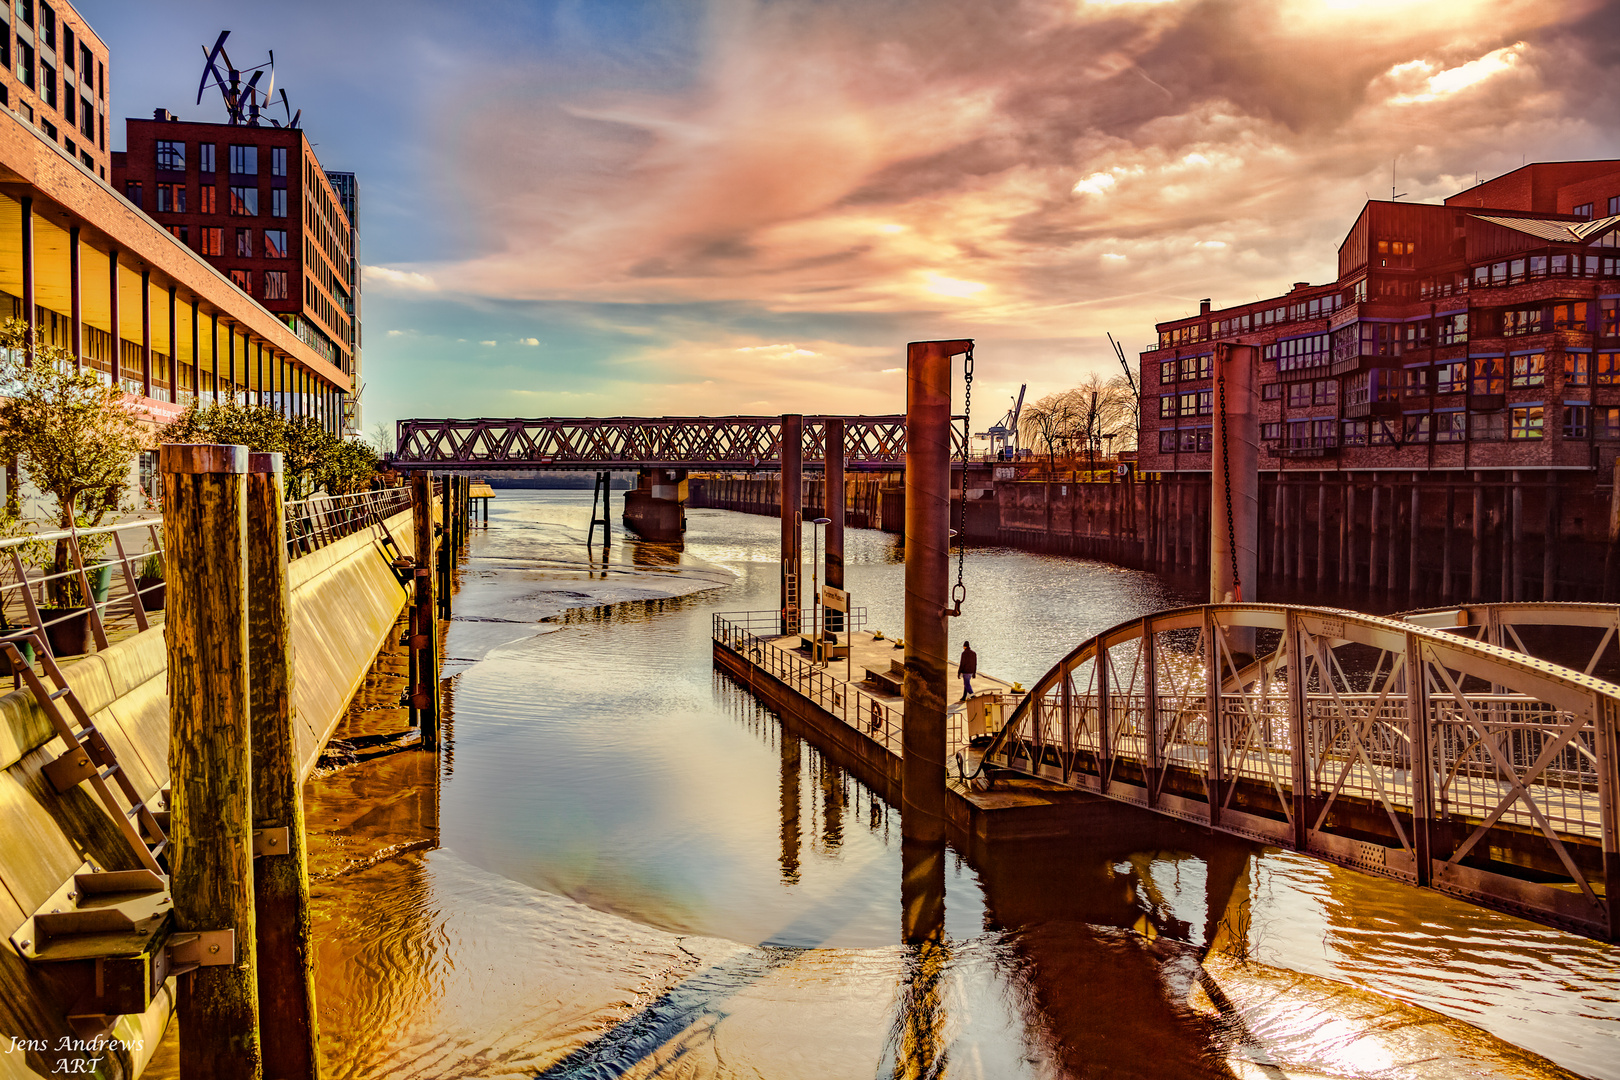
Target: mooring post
x=424, y=625
x=792, y=542
x=1234, y=534
x=1476, y=557
x=928, y=553
x=447, y=549
x=211, y=827
x=285, y=949
x=833, y=510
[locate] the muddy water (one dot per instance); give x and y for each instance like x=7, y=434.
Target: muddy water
x=625, y=867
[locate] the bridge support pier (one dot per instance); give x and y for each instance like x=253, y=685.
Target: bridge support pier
x=792, y=491
x=656, y=509
x=833, y=497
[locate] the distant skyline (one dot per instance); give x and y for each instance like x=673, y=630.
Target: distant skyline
x=599, y=208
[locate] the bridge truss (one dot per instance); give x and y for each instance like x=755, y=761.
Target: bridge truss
x=1398, y=748
x=731, y=443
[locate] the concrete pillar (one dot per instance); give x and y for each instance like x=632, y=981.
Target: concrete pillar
x=146, y=333
x=75, y=300
x=174, y=349
x=29, y=303
x=213, y=352
x=115, y=319
x=833, y=496
x=230, y=363
x=656, y=509
x=1235, y=472
x=792, y=584
x=196, y=350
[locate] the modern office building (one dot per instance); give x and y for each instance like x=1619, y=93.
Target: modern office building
x=1483, y=333
x=55, y=78
x=256, y=204
x=97, y=275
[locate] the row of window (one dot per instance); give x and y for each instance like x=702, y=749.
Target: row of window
x=244, y=160
x=171, y=199
x=1303, y=395
x=1186, y=369
x=1520, y=422
x=1296, y=354
x=273, y=283
x=69, y=90
x=211, y=241
x=1585, y=209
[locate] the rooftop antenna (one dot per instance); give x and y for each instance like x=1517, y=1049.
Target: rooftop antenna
x=1392, y=195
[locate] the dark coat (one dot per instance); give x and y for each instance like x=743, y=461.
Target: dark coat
x=969, y=664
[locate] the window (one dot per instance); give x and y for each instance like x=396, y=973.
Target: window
x=47, y=84
x=1189, y=404
x=132, y=192
x=1614, y=205
x=1452, y=329
x=1577, y=368
x=278, y=202
x=47, y=26
x=1570, y=316
x=205, y=157
x=86, y=118
x=1270, y=432
x=171, y=198
x=213, y=241
x=1381, y=434
x=278, y=161
x=25, y=63
x=1530, y=369
x=1577, y=420
x=1609, y=317
x=245, y=201
x=171, y=155
x=1606, y=369
x=1450, y=426
x=69, y=100
x=1196, y=367
x=1167, y=372
x=1525, y=421
x=181, y=233
x=1167, y=406
x=1187, y=441
x=1488, y=427
x=1583, y=211
x=1417, y=335
x=1487, y=377
x=1299, y=395
x=48, y=128
x=275, y=243
x=207, y=199
x=245, y=160
x=1326, y=392
x=1167, y=441
x=1451, y=378
x=67, y=47
x=1417, y=429
x=1355, y=433
x=1417, y=382
x=1271, y=392
x=1606, y=423
x=244, y=243
x=87, y=78
x=25, y=11
x=275, y=284
x=1296, y=354
x=243, y=279
x=1521, y=321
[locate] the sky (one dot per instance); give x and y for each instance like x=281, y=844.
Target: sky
x=602, y=208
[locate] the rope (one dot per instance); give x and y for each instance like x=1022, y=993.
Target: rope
x=1226, y=477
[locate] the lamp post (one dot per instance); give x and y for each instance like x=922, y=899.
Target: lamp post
x=815, y=588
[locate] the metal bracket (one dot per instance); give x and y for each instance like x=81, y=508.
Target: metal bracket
x=272, y=841
x=207, y=948
x=76, y=766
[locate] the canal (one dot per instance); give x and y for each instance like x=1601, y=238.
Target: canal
x=638, y=872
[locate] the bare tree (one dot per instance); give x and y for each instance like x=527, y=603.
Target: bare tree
x=1050, y=421
x=1095, y=412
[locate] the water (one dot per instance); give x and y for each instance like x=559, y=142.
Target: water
x=637, y=872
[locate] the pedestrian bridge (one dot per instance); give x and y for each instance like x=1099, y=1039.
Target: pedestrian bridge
x=1432, y=747
x=645, y=442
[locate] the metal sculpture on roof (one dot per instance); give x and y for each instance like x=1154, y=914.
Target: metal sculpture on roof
x=244, y=103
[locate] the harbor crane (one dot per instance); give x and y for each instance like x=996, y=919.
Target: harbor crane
x=1003, y=434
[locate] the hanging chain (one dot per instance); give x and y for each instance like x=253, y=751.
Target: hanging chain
x=959, y=594
x=1226, y=475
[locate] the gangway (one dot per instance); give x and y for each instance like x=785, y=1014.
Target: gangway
x=1399, y=748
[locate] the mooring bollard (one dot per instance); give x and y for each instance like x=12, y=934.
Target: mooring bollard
x=285, y=949
x=424, y=625
x=211, y=832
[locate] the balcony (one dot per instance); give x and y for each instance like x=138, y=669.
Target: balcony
x=1349, y=365
x=1306, y=448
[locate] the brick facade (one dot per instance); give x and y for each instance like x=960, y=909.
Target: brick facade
x=55, y=77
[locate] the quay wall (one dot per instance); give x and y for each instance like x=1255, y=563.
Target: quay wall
x=1438, y=536
x=345, y=598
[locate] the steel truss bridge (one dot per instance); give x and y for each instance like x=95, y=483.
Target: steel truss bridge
x=1432, y=747
x=732, y=443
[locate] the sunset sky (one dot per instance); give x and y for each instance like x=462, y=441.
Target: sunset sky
x=599, y=208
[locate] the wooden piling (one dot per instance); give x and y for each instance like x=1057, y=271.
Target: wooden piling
x=1414, y=579
x=211, y=828
x=1373, y=522
x=423, y=623
x=1552, y=509
x=285, y=947
x=1321, y=531
x=1347, y=524
x=1476, y=560
x=1447, y=588
x=446, y=547
x=1518, y=536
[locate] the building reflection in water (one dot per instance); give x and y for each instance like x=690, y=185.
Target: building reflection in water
x=791, y=766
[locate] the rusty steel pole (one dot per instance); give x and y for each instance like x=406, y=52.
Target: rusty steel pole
x=792, y=542
x=833, y=498
x=928, y=552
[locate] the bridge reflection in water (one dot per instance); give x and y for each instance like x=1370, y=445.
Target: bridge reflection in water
x=1381, y=743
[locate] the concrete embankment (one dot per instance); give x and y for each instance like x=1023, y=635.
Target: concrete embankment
x=345, y=599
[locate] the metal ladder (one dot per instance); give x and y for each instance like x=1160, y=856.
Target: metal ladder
x=88, y=756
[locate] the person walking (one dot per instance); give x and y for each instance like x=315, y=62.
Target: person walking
x=967, y=667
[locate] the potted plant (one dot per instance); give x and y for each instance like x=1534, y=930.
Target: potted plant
x=150, y=582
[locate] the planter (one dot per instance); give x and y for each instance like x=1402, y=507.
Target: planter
x=151, y=598
x=71, y=635
x=100, y=582
x=24, y=647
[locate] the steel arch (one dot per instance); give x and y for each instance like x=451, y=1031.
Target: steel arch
x=1503, y=792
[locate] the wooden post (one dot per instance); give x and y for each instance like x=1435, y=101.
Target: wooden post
x=281, y=875
x=447, y=551
x=1476, y=559
x=1321, y=531
x=1414, y=580
x=1347, y=521
x=1518, y=536
x=423, y=623
x=1446, y=587
x=1549, y=538
x=211, y=830
x=1372, y=536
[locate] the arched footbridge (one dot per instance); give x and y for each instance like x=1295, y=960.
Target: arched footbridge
x=646, y=442
x=1432, y=747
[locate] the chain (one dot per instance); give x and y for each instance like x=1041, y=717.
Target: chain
x=1226, y=475
x=959, y=594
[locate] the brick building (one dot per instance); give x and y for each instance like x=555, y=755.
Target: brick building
x=1483, y=333
x=256, y=204
x=55, y=77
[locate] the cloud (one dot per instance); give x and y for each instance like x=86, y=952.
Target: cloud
x=382, y=277
x=528, y=341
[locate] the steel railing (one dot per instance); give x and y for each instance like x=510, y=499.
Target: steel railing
x=320, y=520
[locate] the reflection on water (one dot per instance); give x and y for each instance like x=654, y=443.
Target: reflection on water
x=639, y=872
